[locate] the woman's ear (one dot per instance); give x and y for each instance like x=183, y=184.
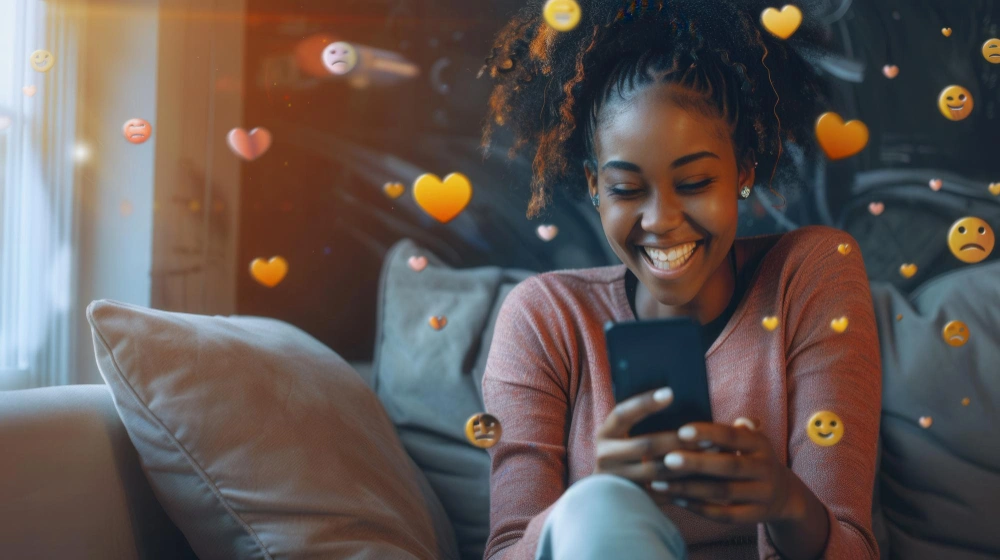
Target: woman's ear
x=748, y=171
x=591, y=173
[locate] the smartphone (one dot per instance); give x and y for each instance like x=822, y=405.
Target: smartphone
x=647, y=355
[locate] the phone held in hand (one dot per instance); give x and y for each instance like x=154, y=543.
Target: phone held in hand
x=647, y=355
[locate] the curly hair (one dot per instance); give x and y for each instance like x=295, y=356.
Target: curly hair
x=549, y=86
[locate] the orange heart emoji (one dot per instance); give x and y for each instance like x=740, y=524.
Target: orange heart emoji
x=890, y=71
x=443, y=200
x=994, y=189
x=839, y=139
x=393, y=190
x=946, y=31
x=269, y=273
x=438, y=323
x=770, y=323
x=926, y=421
x=839, y=325
x=935, y=184
x=781, y=24
x=908, y=270
x=844, y=249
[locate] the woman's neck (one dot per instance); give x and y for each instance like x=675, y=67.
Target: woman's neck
x=706, y=306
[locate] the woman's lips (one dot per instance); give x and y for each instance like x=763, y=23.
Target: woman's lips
x=676, y=269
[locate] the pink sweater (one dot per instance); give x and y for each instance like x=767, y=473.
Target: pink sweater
x=547, y=379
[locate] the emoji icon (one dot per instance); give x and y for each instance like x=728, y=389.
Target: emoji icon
x=438, y=323
x=393, y=190
x=29, y=90
x=781, y=24
x=876, y=208
x=965, y=401
x=42, y=60
x=946, y=31
x=955, y=333
x=770, y=323
x=908, y=270
x=417, y=263
x=825, y=428
x=137, y=131
x=340, y=58
x=890, y=71
x=970, y=239
x=955, y=103
x=125, y=208
x=547, y=233
x=935, y=184
x=270, y=273
x=5, y=122
x=839, y=324
x=483, y=430
x=844, y=249
x=443, y=200
x=561, y=15
x=991, y=51
x=899, y=317
x=839, y=139
x=249, y=145
x=994, y=189
x=925, y=421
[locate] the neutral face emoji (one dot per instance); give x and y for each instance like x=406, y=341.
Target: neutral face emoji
x=137, y=131
x=991, y=51
x=340, y=58
x=562, y=15
x=41, y=60
x=955, y=103
x=825, y=428
x=971, y=239
x=483, y=430
x=955, y=333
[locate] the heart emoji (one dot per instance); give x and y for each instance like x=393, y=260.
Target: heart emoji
x=417, y=263
x=946, y=31
x=994, y=189
x=393, y=190
x=890, y=71
x=844, y=249
x=839, y=325
x=926, y=421
x=965, y=401
x=839, y=139
x=770, y=323
x=935, y=184
x=6, y=121
x=270, y=273
x=29, y=90
x=249, y=145
x=781, y=24
x=438, y=323
x=908, y=270
x=547, y=233
x=876, y=208
x=443, y=200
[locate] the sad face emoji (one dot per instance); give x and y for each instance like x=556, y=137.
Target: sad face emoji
x=483, y=430
x=825, y=428
x=955, y=333
x=137, y=131
x=955, y=103
x=971, y=240
x=340, y=58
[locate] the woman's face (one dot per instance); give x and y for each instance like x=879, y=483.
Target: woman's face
x=669, y=185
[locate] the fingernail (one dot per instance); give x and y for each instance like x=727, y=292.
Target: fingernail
x=673, y=460
x=659, y=485
x=681, y=502
x=744, y=422
x=663, y=395
x=687, y=432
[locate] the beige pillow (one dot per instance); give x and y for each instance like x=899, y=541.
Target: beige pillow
x=261, y=442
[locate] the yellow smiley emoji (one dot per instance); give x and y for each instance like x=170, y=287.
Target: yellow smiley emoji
x=825, y=428
x=562, y=15
x=955, y=103
x=42, y=60
x=955, y=333
x=991, y=51
x=971, y=239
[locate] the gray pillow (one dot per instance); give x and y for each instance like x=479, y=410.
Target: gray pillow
x=940, y=485
x=261, y=442
x=430, y=381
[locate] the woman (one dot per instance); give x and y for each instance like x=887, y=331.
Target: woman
x=667, y=112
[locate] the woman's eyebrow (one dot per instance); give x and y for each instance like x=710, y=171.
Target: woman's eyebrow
x=623, y=165
x=684, y=160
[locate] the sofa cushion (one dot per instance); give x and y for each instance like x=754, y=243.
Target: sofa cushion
x=940, y=482
x=261, y=442
x=430, y=381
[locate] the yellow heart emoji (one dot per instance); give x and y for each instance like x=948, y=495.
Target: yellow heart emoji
x=839, y=325
x=908, y=270
x=839, y=139
x=770, y=323
x=781, y=24
x=443, y=200
x=844, y=249
x=393, y=190
x=269, y=273
x=995, y=189
x=946, y=31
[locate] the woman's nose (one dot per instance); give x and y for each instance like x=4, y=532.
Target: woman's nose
x=662, y=212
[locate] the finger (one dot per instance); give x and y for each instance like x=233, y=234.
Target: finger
x=707, y=489
x=638, y=471
x=652, y=446
x=710, y=434
x=629, y=412
x=725, y=513
x=719, y=465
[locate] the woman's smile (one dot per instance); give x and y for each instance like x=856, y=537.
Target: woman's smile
x=670, y=262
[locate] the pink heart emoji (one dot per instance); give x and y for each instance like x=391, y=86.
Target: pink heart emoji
x=876, y=208
x=417, y=263
x=890, y=71
x=249, y=145
x=547, y=232
x=935, y=184
x=29, y=90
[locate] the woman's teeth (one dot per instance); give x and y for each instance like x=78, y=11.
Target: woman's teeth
x=672, y=258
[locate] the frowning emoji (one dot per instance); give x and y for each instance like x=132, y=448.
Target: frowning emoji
x=137, y=131
x=483, y=430
x=971, y=239
x=991, y=51
x=955, y=333
x=955, y=103
x=340, y=58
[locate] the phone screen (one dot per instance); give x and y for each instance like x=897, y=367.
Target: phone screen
x=647, y=355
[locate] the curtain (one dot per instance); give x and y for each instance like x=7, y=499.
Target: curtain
x=38, y=166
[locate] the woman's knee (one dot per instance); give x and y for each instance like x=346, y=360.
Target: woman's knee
x=601, y=492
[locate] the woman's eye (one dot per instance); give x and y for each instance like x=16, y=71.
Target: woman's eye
x=694, y=186
x=622, y=190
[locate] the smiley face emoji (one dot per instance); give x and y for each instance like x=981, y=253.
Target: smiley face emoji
x=42, y=60
x=562, y=15
x=340, y=58
x=971, y=239
x=955, y=103
x=137, y=131
x=955, y=333
x=991, y=51
x=825, y=428
x=483, y=430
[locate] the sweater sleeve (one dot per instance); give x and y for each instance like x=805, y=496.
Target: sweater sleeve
x=525, y=385
x=839, y=372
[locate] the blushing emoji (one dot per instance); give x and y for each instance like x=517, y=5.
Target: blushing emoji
x=42, y=60
x=562, y=15
x=955, y=103
x=483, y=430
x=137, y=131
x=991, y=51
x=825, y=428
x=971, y=239
x=340, y=58
x=955, y=333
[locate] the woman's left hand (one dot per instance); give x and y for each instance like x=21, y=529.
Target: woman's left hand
x=744, y=482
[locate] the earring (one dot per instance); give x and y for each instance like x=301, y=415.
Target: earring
x=745, y=192
x=596, y=200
